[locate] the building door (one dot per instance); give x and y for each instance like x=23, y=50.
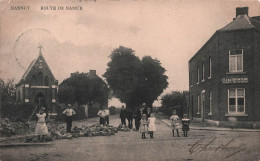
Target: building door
x=192, y=107
x=40, y=100
x=203, y=105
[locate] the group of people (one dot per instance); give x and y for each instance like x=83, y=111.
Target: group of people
x=103, y=116
x=175, y=124
x=41, y=128
x=144, y=121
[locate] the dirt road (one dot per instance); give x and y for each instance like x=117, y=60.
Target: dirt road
x=199, y=145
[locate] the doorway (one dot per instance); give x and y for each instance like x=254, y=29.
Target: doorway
x=203, y=105
x=40, y=100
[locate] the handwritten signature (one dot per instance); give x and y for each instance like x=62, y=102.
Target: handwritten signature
x=203, y=146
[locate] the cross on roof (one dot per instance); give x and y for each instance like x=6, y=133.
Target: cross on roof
x=40, y=47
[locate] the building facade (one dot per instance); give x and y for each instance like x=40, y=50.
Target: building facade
x=38, y=85
x=224, y=75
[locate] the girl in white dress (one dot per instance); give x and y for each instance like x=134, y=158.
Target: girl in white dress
x=151, y=125
x=41, y=128
x=175, y=123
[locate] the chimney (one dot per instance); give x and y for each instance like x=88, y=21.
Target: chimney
x=241, y=11
x=74, y=74
x=92, y=73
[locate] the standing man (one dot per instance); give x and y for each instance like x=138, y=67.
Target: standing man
x=107, y=116
x=101, y=113
x=148, y=114
x=138, y=115
x=123, y=115
x=129, y=115
x=69, y=112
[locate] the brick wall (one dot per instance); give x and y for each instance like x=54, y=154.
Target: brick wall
x=218, y=49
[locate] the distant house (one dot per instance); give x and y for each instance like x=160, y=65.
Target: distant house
x=224, y=75
x=38, y=85
x=92, y=107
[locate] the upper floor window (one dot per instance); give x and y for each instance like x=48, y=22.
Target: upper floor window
x=209, y=67
x=203, y=72
x=198, y=75
x=46, y=81
x=40, y=79
x=236, y=60
x=191, y=81
x=236, y=100
x=33, y=80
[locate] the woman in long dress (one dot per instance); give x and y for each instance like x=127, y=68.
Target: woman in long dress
x=41, y=128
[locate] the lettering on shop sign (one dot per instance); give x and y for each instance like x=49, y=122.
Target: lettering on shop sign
x=234, y=80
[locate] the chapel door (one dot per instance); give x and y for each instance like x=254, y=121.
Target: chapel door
x=40, y=100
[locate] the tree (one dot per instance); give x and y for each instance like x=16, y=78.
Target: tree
x=122, y=74
x=83, y=90
x=152, y=80
x=7, y=95
x=7, y=91
x=135, y=81
x=176, y=100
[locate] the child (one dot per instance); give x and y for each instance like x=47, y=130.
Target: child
x=151, y=125
x=41, y=128
x=143, y=126
x=175, y=123
x=185, y=125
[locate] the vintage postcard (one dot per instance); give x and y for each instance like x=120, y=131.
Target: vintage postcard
x=143, y=80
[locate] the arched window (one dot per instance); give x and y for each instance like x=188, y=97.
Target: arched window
x=46, y=81
x=40, y=79
x=33, y=80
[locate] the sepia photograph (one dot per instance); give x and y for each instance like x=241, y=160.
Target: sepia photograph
x=130, y=80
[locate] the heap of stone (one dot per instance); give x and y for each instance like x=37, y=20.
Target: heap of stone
x=8, y=128
x=123, y=128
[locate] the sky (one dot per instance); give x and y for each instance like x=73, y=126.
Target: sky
x=171, y=31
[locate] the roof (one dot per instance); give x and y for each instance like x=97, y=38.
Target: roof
x=242, y=22
x=32, y=64
x=29, y=69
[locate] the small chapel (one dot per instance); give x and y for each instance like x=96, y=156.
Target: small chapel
x=38, y=85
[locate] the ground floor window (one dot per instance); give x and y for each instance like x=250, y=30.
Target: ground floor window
x=210, y=103
x=236, y=100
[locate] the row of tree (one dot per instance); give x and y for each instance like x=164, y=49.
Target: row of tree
x=132, y=80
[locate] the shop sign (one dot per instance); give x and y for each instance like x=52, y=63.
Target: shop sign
x=234, y=80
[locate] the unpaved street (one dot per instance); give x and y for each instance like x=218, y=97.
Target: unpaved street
x=199, y=145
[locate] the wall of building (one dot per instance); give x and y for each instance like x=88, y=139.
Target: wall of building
x=218, y=49
x=209, y=50
x=256, y=109
x=35, y=70
x=241, y=39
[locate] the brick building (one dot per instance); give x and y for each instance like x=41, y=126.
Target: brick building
x=224, y=75
x=38, y=85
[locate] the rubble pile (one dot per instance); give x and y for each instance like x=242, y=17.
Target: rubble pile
x=123, y=128
x=59, y=132
x=8, y=128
